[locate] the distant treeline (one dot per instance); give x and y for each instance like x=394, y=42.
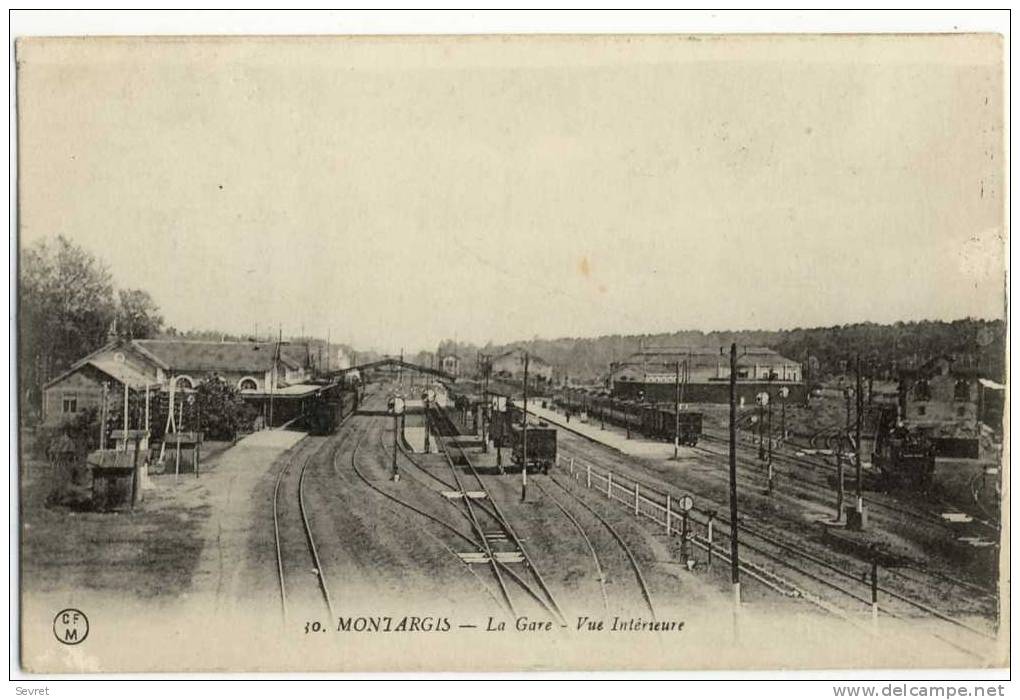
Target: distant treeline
x=824, y=352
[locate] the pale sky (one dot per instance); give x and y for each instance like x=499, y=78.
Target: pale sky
x=402, y=191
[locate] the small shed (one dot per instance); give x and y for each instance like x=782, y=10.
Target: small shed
x=181, y=452
x=112, y=479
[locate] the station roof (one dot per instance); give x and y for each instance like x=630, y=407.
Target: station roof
x=122, y=372
x=207, y=356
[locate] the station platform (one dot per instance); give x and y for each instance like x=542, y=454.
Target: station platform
x=279, y=439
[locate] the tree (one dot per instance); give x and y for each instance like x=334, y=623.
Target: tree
x=137, y=314
x=219, y=410
x=65, y=308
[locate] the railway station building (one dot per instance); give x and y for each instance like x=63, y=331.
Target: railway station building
x=257, y=369
x=704, y=373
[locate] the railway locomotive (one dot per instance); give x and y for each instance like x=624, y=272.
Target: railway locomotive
x=657, y=421
x=905, y=458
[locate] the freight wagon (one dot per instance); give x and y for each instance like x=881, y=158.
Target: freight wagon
x=541, y=454
x=657, y=421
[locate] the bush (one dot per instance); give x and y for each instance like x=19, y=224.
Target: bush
x=215, y=409
x=82, y=428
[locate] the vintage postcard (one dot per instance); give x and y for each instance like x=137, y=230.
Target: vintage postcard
x=512, y=353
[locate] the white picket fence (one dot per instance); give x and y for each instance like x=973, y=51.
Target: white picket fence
x=662, y=508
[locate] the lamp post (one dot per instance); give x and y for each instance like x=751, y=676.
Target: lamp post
x=396, y=406
x=500, y=407
x=762, y=399
x=784, y=392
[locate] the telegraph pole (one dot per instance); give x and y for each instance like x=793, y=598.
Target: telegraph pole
x=485, y=402
x=426, y=402
x=770, y=448
x=761, y=429
x=396, y=420
x=857, y=458
x=676, y=414
x=524, y=435
x=734, y=540
x=840, y=446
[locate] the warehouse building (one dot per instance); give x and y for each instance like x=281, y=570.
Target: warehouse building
x=704, y=374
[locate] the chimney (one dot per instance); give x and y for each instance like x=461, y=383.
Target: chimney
x=111, y=333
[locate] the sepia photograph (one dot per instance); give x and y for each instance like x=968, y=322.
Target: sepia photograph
x=511, y=353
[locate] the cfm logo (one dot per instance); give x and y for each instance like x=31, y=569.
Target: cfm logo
x=70, y=626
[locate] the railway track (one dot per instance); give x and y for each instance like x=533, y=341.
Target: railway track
x=635, y=567
x=303, y=455
x=479, y=547
x=499, y=519
x=893, y=513
x=988, y=521
x=591, y=541
x=808, y=574
x=405, y=504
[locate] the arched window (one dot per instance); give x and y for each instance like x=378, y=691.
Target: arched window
x=184, y=382
x=248, y=384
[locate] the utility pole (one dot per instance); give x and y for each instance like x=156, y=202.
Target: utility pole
x=770, y=448
x=273, y=375
x=857, y=458
x=734, y=540
x=676, y=414
x=524, y=435
x=840, y=446
x=761, y=429
x=485, y=402
x=125, y=415
x=848, y=394
x=427, y=450
x=396, y=421
x=397, y=407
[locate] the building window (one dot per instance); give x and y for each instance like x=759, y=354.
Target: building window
x=961, y=391
x=922, y=392
x=961, y=411
x=184, y=383
x=69, y=403
x=248, y=384
x=921, y=410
